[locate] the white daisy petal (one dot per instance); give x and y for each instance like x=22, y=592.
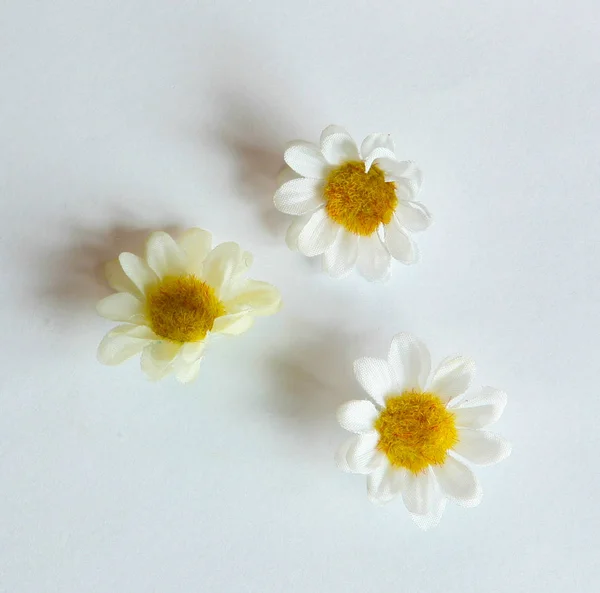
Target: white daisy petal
x=122, y=306
x=156, y=360
x=186, y=372
x=191, y=351
x=359, y=456
x=341, y=455
x=118, y=280
x=224, y=263
x=400, y=245
x=377, y=155
x=423, y=493
x=299, y=196
x=137, y=271
x=452, y=377
x=164, y=256
x=234, y=324
x=382, y=484
x=357, y=416
x=306, y=159
x=409, y=361
x=318, y=234
x=413, y=216
x=294, y=230
x=196, y=244
x=401, y=171
x=481, y=447
x=340, y=258
x=373, y=260
x=458, y=482
x=373, y=141
x=123, y=342
x=418, y=491
x=375, y=377
x=258, y=298
x=482, y=409
x=338, y=146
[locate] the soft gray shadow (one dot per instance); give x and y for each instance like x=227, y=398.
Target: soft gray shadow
x=313, y=377
x=74, y=275
x=256, y=150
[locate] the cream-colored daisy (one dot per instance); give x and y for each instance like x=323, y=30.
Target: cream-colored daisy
x=416, y=436
x=354, y=207
x=170, y=302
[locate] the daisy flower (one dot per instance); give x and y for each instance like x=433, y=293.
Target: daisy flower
x=355, y=208
x=413, y=440
x=170, y=302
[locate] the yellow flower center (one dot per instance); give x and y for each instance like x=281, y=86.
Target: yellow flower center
x=416, y=430
x=359, y=201
x=182, y=308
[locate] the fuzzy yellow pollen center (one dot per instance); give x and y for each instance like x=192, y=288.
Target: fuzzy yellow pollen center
x=416, y=430
x=182, y=308
x=357, y=200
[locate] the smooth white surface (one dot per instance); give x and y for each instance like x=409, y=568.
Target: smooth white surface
x=119, y=117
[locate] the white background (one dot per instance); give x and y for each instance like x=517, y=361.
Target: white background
x=124, y=116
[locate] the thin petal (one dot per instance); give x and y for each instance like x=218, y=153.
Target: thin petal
x=375, y=377
x=373, y=141
x=196, y=244
x=233, y=325
x=223, y=264
x=357, y=416
x=377, y=155
x=337, y=146
x=413, y=216
x=341, y=256
x=481, y=409
x=307, y=160
x=318, y=234
x=118, y=280
x=452, y=377
x=481, y=447
x=299, y=196
x=382, y=484
x=138, y=271
x=422, y=492
x=402, y=172
x=360, y=454
x=192, y=351
x=294, y=230
x=458, y=482
x=409, y=361
x=164, y=255
x=123, y=342
x=157, y=358
x=186, y=372
x=373, y=260
x=400, y=245
x=418, y=491
x=122, y=306
x=259, y=298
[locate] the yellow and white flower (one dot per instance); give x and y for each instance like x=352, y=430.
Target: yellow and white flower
x=413, y=440
x=355, y=208
x=170, y=302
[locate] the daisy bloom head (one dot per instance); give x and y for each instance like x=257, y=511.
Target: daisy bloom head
x=354, y=207
x=414, y=438
x=171, y=301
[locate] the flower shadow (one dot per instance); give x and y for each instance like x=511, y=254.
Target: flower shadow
x=257, y=151
x=311, y=379
x=74, y=275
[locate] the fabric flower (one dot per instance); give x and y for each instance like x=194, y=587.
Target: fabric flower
x=355, y=208
x=413, y=440
x=171, y=301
